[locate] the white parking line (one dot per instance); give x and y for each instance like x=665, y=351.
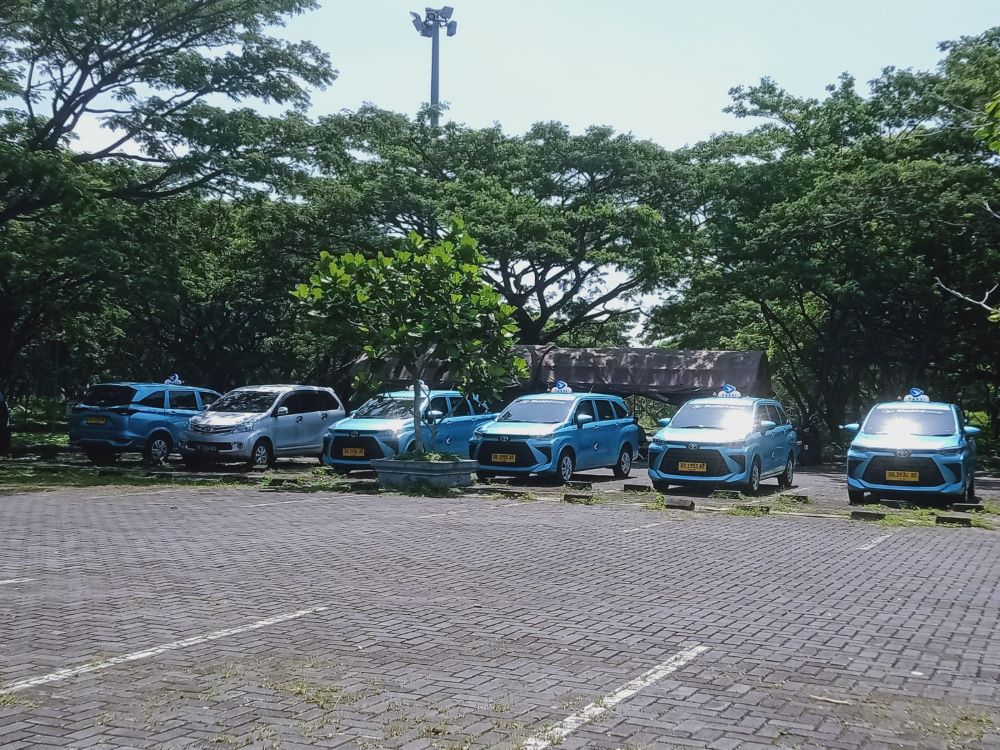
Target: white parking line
x=133, y=494
x=594, y=710
x=15, y=580
x=63, y=674
x=469, y=510
x=646, y=526
x=874, y=542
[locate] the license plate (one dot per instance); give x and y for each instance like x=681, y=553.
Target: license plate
x=353, y=453
x=689, y=466
x=97, y=420
x=902, y=476
x=504, y=458
x=207, y=448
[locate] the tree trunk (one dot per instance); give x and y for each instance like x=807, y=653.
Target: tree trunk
x=418, y=427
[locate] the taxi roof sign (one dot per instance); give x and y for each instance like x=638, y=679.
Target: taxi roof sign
x=560, y=387
x=729, y=391
x=915, y=394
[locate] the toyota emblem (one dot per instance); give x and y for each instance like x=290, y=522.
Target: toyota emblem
x=354, y=434
x=903, y=454
x=693, y=446
x=504, y=439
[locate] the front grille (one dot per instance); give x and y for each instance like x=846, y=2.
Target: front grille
x=209, y=429
x=366, y=443
x=523, y=456
x=930, y=475
x=714, y=464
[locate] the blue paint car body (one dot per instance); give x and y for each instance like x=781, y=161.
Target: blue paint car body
x=719, y=441
x=117, y=417
x=383, y=427
x=912, y=447
x=535, y=433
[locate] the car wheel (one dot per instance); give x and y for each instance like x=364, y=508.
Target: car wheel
x=855, y=497
x=158, y=448
x=101, y=456
x=661, y=486
x=753, y=480
x=565, y=467
x=624, y=466
x=261, y=456
x=970, y=490
x=788, y=475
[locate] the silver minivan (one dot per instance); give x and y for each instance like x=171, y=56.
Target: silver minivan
x=257, y=423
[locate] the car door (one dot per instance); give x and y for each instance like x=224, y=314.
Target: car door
x=286, y=433
x=149, y=412
x=585, y=437
x=331, y=411
x=459, y=425
x=607, y=433
x=313, y=424
x=182, y=404
x=771, y=441
x=442, y=434
x=785, y=442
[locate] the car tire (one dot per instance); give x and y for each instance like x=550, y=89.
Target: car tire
x=660, y=486
x=787, y=477
x=101, y=456
x=340, y=470
x=856, y=497
x=752, y=487
x=158, y=448
x=624, y=465
x=261, y=455
x=565, y=466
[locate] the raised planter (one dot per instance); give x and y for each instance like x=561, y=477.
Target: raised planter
x=393, y=472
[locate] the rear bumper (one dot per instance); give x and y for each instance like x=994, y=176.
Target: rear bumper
x=108, y=443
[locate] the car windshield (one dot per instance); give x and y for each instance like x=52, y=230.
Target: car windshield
x=109, y=395
x=538, y=411
x=245, y=402
x=713, y=416
x=385, y=407
x=894, y=420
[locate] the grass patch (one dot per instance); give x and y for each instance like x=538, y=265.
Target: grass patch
x=422, y=489
x=582, y=499
x=26, y=478
x=427, y=456
x=321, y=696
x=7, y=700
x=751, y=512
x=910, y=517
x=24, y=439
x=318, y=480
x=992, y=509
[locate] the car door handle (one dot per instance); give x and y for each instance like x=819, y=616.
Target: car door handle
x=298, y=419
x=322, y=416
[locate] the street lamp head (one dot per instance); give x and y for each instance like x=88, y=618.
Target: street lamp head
x=446, y=12
x=452, y=28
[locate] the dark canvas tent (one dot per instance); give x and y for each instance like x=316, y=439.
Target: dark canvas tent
x=670, y=375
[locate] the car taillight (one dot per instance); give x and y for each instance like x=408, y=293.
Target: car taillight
x=79, y=409
x=124, y=411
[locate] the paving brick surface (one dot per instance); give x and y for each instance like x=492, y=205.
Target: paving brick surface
x=477, y=623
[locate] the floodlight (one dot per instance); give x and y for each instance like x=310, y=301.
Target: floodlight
x=417, y=23
x=446, y=12
x=452, y=28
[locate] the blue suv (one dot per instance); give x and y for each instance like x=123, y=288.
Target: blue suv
x=557, y=433
x=915, y=446
x=727, y=439
x=116, y=417
x=383, y=427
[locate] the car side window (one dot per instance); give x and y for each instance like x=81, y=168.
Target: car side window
x=782, y=417
x=774, y=415
x=479, y=407
x=208, y=398
x=297, y=402
x=327, y=401
x=604, y=411
x=154, y=400
x=584, y=407
x=183, y=400
x=439, y=403
x=620, y=411
x=461, y=407
x=760, y=414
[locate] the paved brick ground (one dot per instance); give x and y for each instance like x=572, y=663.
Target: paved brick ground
x=472, y=623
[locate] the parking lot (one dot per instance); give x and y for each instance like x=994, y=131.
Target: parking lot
x=189, y=618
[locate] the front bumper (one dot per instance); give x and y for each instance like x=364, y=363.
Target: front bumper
x=934, y=473
x=220, y=446
x=372, y=446
x=722, y=465
x=530, y=456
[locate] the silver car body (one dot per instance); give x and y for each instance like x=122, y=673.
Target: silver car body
x=292, y=419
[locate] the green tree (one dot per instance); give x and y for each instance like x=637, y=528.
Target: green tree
x=422, y=307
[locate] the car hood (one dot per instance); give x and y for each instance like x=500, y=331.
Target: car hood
x=224, y=419
x=372, y=425
x=866, y=440
x=702, y=436
x=518, y=429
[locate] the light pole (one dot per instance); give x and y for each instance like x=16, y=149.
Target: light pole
x=431, y=25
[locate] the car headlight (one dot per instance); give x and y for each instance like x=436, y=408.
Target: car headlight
x=950, y=451
x=245, y=426
x=659, y=441
x=858, y=448
x=735, y=444
x=546, y=436
x=389, y=437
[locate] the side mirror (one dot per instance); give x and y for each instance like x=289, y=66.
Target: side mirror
x=663, y=422
x=435, y=415
x=854, y=428
x=971, y=431
x=281, y=411
x=582, y=419
x=767, y=425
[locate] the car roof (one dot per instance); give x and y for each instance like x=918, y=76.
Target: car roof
x=743, y=400
x=407, y=394
x=564, y=396
x=280, y=387
x=941, y=405
x=137, y=384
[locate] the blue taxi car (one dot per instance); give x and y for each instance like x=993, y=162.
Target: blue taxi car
x=113, y=418
x=725, y=439
x=914, y=446
x=557, y=433
x=383, y=427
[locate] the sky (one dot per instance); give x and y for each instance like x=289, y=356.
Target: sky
x=661, y=69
